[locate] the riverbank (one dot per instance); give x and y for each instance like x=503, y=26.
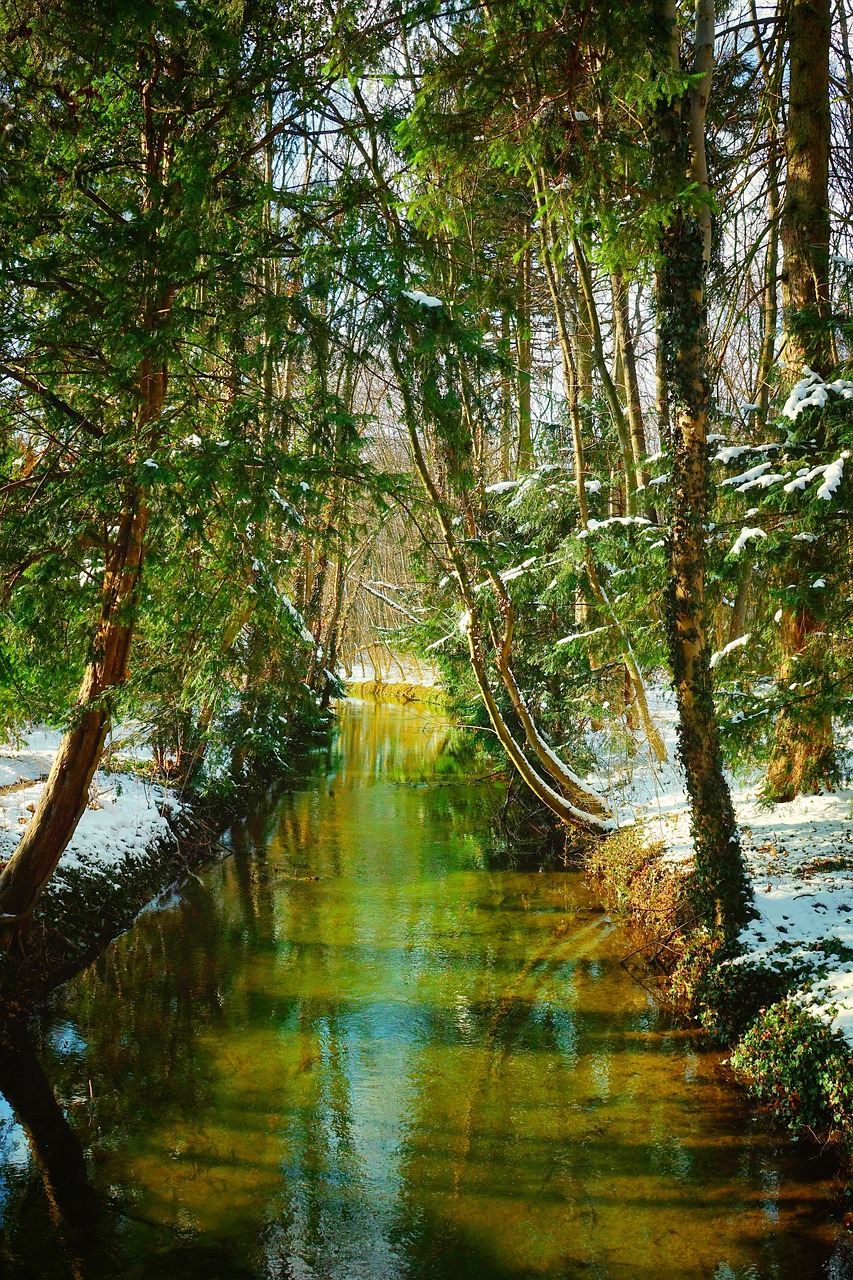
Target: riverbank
x=393, y=677
x=781, y=1000
x=136, y=840
x=783, y=1003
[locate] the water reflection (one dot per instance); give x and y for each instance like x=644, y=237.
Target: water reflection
x=353, y=1052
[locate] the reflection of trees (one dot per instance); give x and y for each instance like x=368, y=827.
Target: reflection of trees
x=73, y=1205
x=349, y=1054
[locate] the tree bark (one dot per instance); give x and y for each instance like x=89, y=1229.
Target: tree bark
x=803, y=758
x=625, y=348
x=526, y=457
x=572, y=384
x=722, y=891
x=611, y=395
x=592, y=815
x=804, y=226
x=66, y=791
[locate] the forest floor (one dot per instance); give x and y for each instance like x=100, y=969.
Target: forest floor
x=125, y=816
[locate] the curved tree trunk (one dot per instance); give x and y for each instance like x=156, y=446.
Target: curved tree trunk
x=591, y=816
x=66, y=791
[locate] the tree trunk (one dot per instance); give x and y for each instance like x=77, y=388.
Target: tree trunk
x=722, y=891
x=661, y=393
x=526, y=458
x=803, y=759
x=625, y=348
x=592, y=816
x=611, y=395
x=769, y=306
x=507, y=469
x=804, y=224
x=571, y=380
x=66, y=791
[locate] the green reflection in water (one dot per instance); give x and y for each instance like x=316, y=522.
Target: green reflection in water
x=351, y=1052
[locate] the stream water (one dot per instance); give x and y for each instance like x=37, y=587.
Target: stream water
x=357, y=1051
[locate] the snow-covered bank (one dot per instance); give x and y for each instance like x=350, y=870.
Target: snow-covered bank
x=392, y=677
x=125, y=819
x=800, y=858
x=395, y=669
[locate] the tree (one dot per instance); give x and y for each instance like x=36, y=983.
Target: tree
x=803, y=758
x=133, y=211
x=685, y=246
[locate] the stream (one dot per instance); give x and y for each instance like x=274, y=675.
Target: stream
x=356, y=1050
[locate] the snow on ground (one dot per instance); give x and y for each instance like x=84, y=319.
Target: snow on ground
x=800, y=856
x=391, y=669
x=124, y=818
x=28, y=761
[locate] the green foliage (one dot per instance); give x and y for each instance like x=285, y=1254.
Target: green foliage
x=800, y=1067
x=145, y=263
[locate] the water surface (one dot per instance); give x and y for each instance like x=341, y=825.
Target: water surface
x=357, y=1051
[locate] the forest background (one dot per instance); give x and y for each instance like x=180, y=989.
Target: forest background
x=514, y=335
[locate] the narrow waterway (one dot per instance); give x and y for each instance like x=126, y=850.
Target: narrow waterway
x=357, y=1051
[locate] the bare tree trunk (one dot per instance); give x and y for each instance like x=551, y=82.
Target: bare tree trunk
x=526, y=458
x=738, y=619
x=661, y=393
x=625, y=348
x=611, y=395
x=506, y=465
x=804, y=224
x=769, y=307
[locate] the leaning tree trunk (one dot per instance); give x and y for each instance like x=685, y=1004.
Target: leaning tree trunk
x=66, y=791
x=722, y=891
x=590, y=814
x=803, y=758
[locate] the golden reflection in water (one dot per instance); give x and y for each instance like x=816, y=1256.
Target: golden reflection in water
x=356, y=1051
